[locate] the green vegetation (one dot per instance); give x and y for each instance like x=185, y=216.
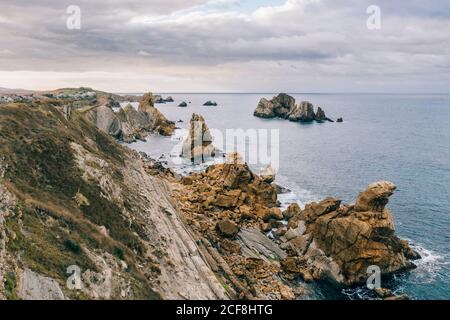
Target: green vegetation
x=118, y=253
x=59, y=211
x=72, y=246
x=10, y=285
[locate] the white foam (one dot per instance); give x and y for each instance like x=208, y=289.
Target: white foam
x=429, y=266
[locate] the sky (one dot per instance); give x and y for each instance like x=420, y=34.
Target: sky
x=226, y=45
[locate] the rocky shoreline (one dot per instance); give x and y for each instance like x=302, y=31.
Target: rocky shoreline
x=209, y=230
x=232, y=209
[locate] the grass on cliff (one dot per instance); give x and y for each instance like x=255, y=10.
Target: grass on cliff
x=43, y=174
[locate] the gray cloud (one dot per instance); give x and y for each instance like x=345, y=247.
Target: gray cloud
x=282, y=43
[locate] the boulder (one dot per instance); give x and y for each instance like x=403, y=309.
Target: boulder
x=227, y=228
x=292, y=210
x=210, y=103
x=183, y=104
x=340, y=120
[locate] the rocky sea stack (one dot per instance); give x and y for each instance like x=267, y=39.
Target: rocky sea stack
x=198, y=145
x=284, y=106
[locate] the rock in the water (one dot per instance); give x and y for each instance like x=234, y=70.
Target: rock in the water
x=227, y=228
x=183, y=104
x=303, y=113
x=264, y=109
x=279, y=106
x=210, y=103
x=283, y=106
x=345, y=240
x=340, y=120
x=198, y=145
x=321, y=117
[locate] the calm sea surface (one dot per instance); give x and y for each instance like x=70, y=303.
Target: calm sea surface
x=401, y=138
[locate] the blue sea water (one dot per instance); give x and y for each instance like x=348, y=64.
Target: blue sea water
x=401, y=138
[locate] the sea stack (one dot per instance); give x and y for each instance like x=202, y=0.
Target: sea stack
x=198, y=145
x=340, y=242
x=283, y=106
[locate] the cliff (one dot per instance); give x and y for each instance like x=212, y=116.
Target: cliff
x=71, y=196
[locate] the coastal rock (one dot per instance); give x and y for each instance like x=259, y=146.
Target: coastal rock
x=341, y=242
x=321, y=117
x=283, y=106
x=183, y=104
x=227, y=228
x=280, y=106
x=210, y=103
x=129, y=124
x=292, y=210
x=267, y=174
x=265, y=109
x=198, y=144
x=303, y=113
x=375, y=197
x=340, y=120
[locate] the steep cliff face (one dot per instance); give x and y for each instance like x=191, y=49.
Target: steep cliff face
x=71, y=196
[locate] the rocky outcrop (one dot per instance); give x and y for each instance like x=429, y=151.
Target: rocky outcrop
x=303, y=113
x=33, y=286
x=320, y=116
x=340, y=242
x=126, y=234
x=129, y=124
x=268, y=174
x=210, y=103
x=226, y=205
x=158, y=99
x=198, y=144
x=280, y=106
x=283, y=106
x=183, y=104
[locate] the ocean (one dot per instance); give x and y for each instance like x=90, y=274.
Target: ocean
x=401, y=138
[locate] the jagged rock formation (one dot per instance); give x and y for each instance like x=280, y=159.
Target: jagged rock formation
x=71, y=195
x=227, y=205
x=283, y=106
x=304, y=112
x=129, y=124
x=198, y=144
x=280, y=106
x=339, y=242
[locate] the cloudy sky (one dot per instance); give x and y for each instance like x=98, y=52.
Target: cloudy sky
x=226, y=45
